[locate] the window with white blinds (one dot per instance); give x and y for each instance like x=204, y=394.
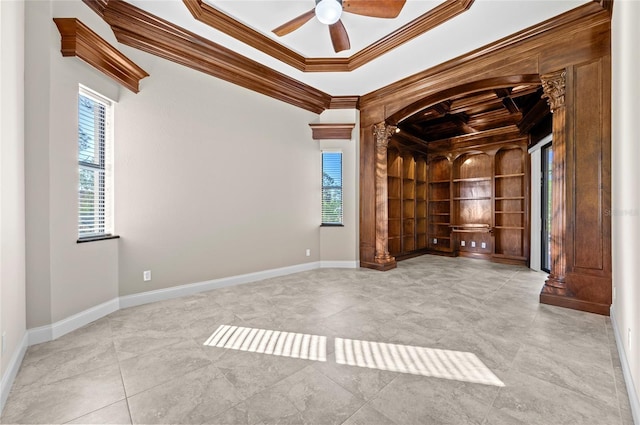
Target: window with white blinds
x=332, y=188
x=95, y=197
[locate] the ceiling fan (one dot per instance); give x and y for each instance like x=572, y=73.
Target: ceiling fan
x=329, y=11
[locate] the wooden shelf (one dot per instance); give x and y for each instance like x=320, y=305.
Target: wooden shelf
x=440, y=182
x=509, y=198
x=473, y=179
x=506, y=176
x=480, y=198
x=509, y=212
x=439, y=200
x=509, y=227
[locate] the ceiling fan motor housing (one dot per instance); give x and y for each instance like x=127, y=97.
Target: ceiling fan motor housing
x=328, y=11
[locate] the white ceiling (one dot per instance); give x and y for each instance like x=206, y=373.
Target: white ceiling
x=485, y=22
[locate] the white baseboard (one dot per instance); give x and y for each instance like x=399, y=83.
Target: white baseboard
x=71, y=323
x=339, y=264
x=12, y=370
x=634, y=401
x=194, y=288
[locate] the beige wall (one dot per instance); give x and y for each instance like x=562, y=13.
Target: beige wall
x=339, y=245
x=212, y=180
x=63, y=277
x=12, y=225
x=625, y=178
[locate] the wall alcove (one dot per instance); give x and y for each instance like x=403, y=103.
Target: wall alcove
x=567, y=61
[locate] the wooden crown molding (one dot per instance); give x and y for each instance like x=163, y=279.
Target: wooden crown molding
x=588, y=15
x=327, y=131
x=211, y=16
x=79, y=40
x=141, y=30
x=344, y=102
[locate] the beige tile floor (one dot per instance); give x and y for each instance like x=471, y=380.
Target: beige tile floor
x=148, y=364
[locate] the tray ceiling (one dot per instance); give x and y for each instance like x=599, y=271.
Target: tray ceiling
x=485, y=22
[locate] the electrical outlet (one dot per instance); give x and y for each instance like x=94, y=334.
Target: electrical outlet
x=308, y=253
x=462, y=243
x=483, y=245
x=146, y=275
x=4, y=342
x=435, y=241
x=473, y=244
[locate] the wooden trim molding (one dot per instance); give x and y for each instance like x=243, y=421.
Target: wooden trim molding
x=580, y=18
x=141, y=30
x=553, y=85
x=382, y=134
x=344, y=102
x=213, y=17
x=328, y=131
x=79, y=40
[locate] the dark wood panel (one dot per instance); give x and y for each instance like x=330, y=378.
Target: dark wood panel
x=588, y=249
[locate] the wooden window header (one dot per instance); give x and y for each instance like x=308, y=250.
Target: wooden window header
x=331, y=131
x=79, y=40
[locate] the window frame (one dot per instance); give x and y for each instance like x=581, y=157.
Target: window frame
x=103, y=168
x=333, y=187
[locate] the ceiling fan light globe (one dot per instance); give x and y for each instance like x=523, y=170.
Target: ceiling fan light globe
x=328, y=11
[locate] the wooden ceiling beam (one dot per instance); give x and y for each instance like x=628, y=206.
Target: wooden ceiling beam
x=534, y=115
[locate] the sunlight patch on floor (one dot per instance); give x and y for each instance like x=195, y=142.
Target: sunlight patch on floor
x=446, y=364
x=277, y=343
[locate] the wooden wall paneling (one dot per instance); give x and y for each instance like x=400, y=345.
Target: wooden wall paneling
x=518, y=54
x=79, y=40
x=368, y=218
x=576, y=38
x=589, y=273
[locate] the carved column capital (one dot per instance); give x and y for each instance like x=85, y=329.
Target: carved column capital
x=553, y=86
x=383, y=133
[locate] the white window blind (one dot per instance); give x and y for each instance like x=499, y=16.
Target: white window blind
x=332, y=188
x=95, y=197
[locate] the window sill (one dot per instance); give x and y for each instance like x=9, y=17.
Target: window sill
x=97, y=238
x=332, y=225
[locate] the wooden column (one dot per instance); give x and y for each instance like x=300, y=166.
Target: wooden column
x=382, y=133
x=553, y=85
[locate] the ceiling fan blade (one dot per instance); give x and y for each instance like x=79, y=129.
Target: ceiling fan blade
x=374, y=8
x=339, y=37
x=294, y=24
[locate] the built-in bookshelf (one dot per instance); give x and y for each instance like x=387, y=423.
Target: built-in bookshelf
x=407, y=192
x=478, y=201
x=472, y=196
x=510, y=204
x=439, y=204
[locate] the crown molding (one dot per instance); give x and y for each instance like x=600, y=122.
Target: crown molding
x=79, y=40
x=213, y=17
x=326, y=131
x=578, y=19
x=344, y=102
x=141, y=30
